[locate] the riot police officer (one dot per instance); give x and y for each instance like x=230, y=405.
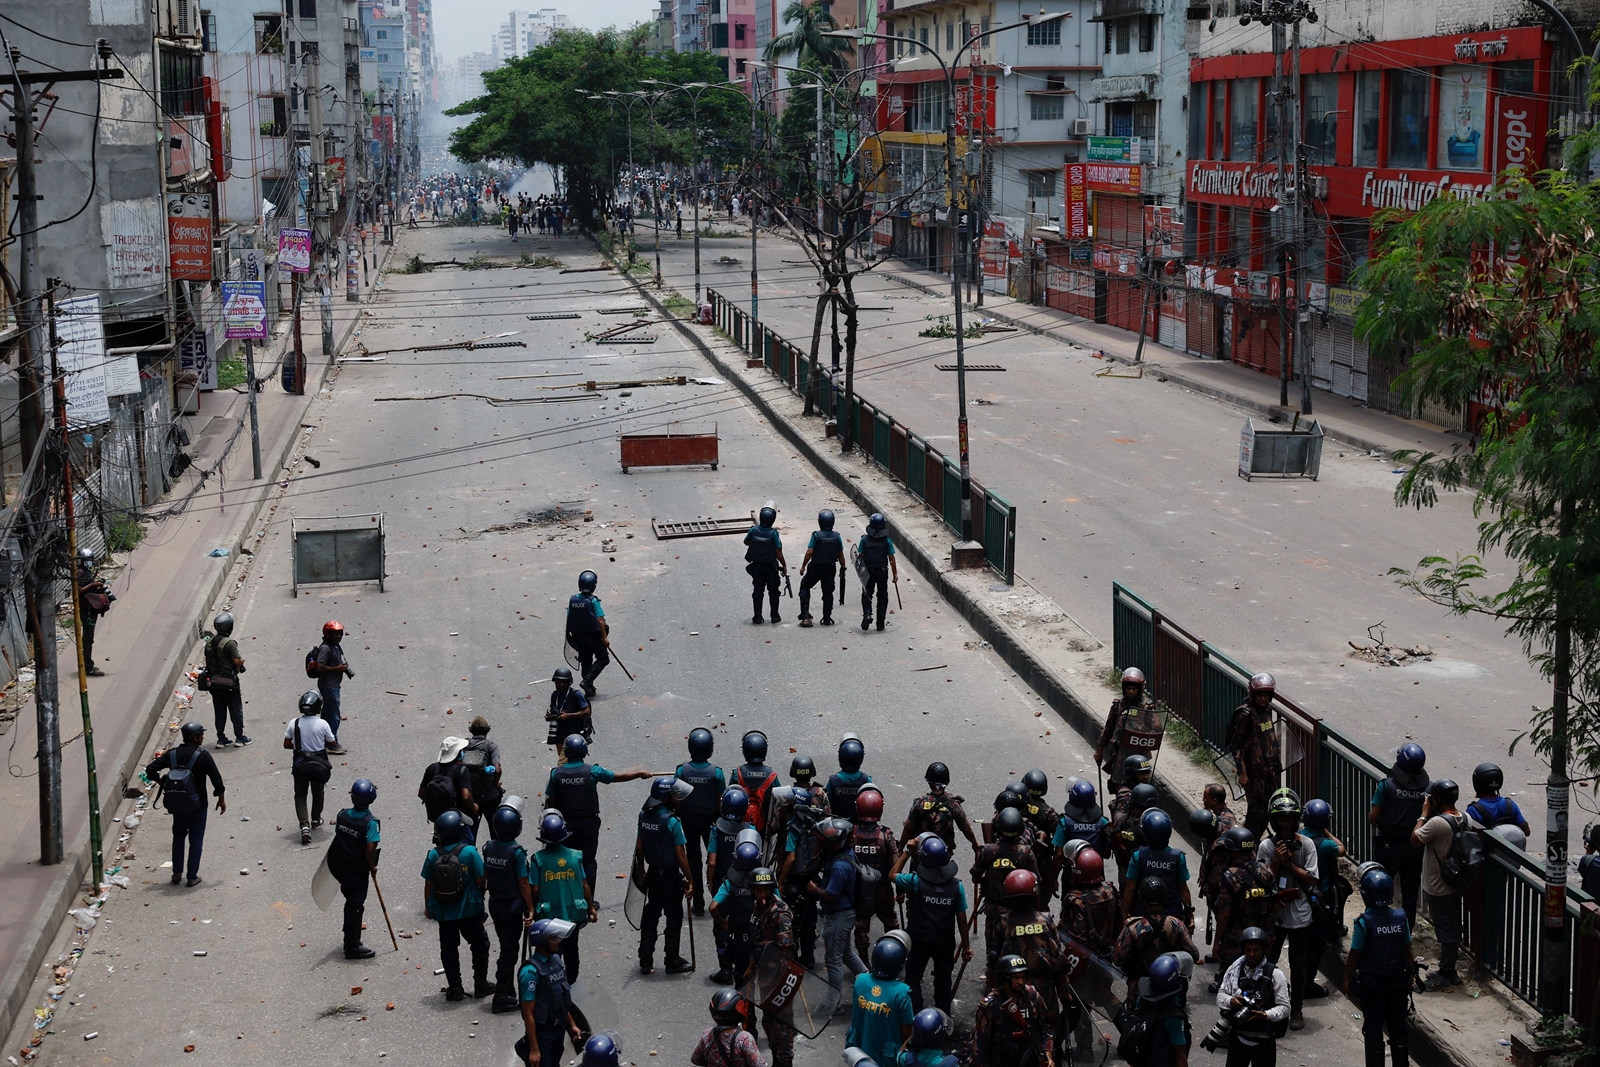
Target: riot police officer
x=1159, y=1002
x=991, y=869
x=1032, y=934
x=843, y=786
x=1396, y=807
x=930, y=1033
x=756, y=779
x=733, y=908
x=555, y=873
x=1246, y=894
x=1042, y=819
x=1131, y=710
x=731, y=821
x=1377, y=971
x=771, y=924
x=588, y=631
x=874, y=846
x=699, y=812
x=763, y=555
x=936, y=912
x=1157, y=857
x=1015, y=1027
x=573, y=790
x=568, y=712
x=352, y=856
x=938, y=810
x=1090, y=911
x=824, y=555
x=1082, y=825
x=1253, y=743
x=505, y=865
x=1144, y=937
x=881, y=1012
x=1137, y=770
x=877, y=554
x=545, y=994
x=1126, y=831
x=661, y=847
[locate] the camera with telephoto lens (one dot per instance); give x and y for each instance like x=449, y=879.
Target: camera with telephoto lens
x=1218, y=1035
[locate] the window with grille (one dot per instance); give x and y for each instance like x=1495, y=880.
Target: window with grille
x=1046, y=36
x=1046, y=108
x=1041, y=184
x=949, y=36
x=1123, y=35
x=1147, y=33
x=272, y=113
x=182, y=91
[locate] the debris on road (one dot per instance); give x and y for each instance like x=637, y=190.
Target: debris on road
x=1387, y=655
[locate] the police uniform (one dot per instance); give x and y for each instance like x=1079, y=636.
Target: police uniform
x=939, y=814
x=758, y=781
x=1168, y=864
x=934, y=902
x=698, y=813
x=1079, y=824
x=505, y=863
x=1012, y=1030
x=1253, y=742
x=1399, y=798
x=761, y=562
x=460, y=917
x=879, y=1009
x=736, y=908
x=874, y=846
x=573, y=790
x=1145, y=937
x=660, y=837
x=353, y=829
x=874, y=553
x=543, y=982
x=772, y=923
x=572, y=702
x=1033, y=935
x=841, y=790
x=1111, y=755
x=827, y=554
x=556, y=875
x=1093, y=915
x=1247, y=897
x=1382, y=983
x=585, y=635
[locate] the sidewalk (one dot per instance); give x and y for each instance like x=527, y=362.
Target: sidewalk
x=164, y=593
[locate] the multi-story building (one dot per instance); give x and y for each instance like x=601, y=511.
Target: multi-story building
x=463, y=79
x=384, y=26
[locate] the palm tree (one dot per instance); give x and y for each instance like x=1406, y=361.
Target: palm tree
x=806, y=40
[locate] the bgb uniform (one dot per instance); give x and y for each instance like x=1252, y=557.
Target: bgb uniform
x=874, y=847
x=1042, y=822
x=698, y=813
x=573, y=790
x=827, y=557
x=939, y=813
x=1253, y=742
x=1012, y=1030
x=1033, y=935
x=771, y=924
x=995, y=861
x=1146, y=937
x=934, y=900
x=1140, y=717
x=1248, y=897
x=1093, y=915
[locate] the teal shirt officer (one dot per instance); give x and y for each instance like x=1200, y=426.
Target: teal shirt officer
x=880, y=1019
x=560, y=890
x=470, y=901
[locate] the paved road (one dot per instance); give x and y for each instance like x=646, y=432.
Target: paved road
x=1133, y=481
x=470, y=624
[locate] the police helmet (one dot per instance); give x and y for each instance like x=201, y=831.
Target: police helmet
x=1411, y=758
x=1144, y=796
x=575, y=747
x=1008, y=799
x=1008, y=823
x=802, y=769
x=735, y=804
x=1444, y=791
x=701, y=743
x=588, y=581
x=833, y=832
x=553, y=828
x=851, y=753
x=192, y=732
x=1203, y=824
x=1487, y=778
x=1254, y=933
x=937, y=774
x=869, y=805
x=768, y=516
x=876, y=523
x=223, y=623
x=727, y=1007
x=1133, y=676
x=600, y=1051
x=363, y=792
x=1377, y=888
x=311, y=702
x=1165, y=978
x=1136, y=765
x=1082, y=794
x=1037, y=781
x=505, y=824
x=668, y=787
x=1156, y=825
x=562, y=674
x=543, y=930
x=450, y=827
x=934, y=852
x=1239, y=839
x=930, y=1028
x=888, y=957
x=746, y=857
x=1318, y=813
x=1010, y=965
x=825, y=519
x=754, y=746
x=1263, y=683
x=1021, y=883
x=1152, y=890
x=1088, y=868
x=763, y=878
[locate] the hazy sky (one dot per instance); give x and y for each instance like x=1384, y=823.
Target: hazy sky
x=465, y=26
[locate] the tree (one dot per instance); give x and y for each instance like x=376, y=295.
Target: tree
x=806, y=40
x=1495, y=301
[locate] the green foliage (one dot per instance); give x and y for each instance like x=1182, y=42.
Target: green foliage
x=806, y=41
x=124, y=535
x=230, y=374
x=678, y=306
x=943, y=328
x=1518, y=330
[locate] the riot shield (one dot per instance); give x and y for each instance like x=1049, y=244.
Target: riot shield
x=799, y=998
x=860, y=567
x=324, y=886
x=1230, y=776
x=1099, y=988
x=595, y=1013
x=633, y=901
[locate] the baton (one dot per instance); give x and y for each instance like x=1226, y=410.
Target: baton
x=621, y=664
x=788, y=586
x=384, y=908
x=897, y=599
x=689, y=912
x=841, y=581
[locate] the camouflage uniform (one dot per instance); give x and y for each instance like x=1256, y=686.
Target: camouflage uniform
x=773, y=924
x=1093, y=915
x=1216, y=860
x=989, y=871
x=1253, y=742
x=874, y=845
x=940, y=813
x=1012, y=1031
x=1110, y=755
x=1032, y=934
x=1247, y=897
x=1042, y=820
x=1146, y=937
x=1124, y=833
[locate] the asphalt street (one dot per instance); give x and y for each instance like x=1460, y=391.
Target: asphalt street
x=244, y=968
x=1118, y=479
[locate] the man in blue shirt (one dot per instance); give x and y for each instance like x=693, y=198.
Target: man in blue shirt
x=763, y=555
x=573, y=790
x=661, y=848
x=352, y=856
x=875, y=556
x=453, y=880
x=835, y=888
x=588, y=632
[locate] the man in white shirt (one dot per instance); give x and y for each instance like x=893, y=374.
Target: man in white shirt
x=309, y=737
x=1253, y=1041
x=1293, y=859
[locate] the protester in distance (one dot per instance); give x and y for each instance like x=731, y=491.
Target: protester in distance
x=308, y=737
x=327, y=664
x=223, y=667
x=182, y=773
x=94, y=600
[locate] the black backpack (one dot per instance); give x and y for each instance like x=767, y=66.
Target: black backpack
x=484, y=792
x=440, y=794
x=869, y=883
x=449, y=877
x=180, y=794
x=1463, y=864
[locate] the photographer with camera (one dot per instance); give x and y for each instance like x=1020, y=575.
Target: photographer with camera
x=1293, y=859
x=1254, y=1002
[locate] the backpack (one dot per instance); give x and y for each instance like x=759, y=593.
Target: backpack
x=179, y=793
x=484, y=792
x=869, y=883
x=1134, y=1042
x=311, y=663
x=1463, y=864
x=756, y=812
x=439, y=793
x=449, y=876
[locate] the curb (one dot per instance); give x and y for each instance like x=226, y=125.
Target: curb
x=17, y=983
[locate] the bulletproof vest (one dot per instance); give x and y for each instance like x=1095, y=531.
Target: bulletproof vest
x=1041, y=816
x=1253, y=895
x=842, y=794
x=1001, y=862
x=724, y=832
x=741, y=903
x=552, y=996
x=499, y=864
x=1084, y=824
x=1386, y=952
x=1032, y=935
x=574, y=791
x=875, y=552
x=763, y=547
x=1402, y=805
x=826, y=548
x=705, y=800
x=1165, y=864
x=580, y=615
x=1259, y=986
x=873, y=847
x=932, y=914
x=655, y=831
x=1012, y=1019
x=937, y=816
x=348, y=850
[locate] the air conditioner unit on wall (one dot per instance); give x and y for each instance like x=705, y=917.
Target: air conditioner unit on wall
x=182, y=18
x=1080, y=127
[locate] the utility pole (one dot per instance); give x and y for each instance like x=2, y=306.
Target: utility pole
x=1302, y=227
x=321, y=235
x=1287, y=239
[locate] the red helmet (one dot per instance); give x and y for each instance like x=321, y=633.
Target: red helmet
x=1088, y=868
x=1020, y=884
x=332, y=627
x=869, y=805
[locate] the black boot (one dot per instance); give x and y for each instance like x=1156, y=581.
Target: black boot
x=1401, y=1053
x=455, y=992
x=482, y=987
x=502, y=1004
x=358, y=951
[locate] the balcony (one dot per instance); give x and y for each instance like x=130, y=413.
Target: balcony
x=1123, y=9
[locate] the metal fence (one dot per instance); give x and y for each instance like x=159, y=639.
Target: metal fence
x=1203, y=686
x=928, y=474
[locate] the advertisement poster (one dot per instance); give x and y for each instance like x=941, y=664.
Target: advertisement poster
x=135, y=232
x=1076, y=223
x=195, y=353
x=244, y=310
x=82, y=355
x=189, y=236
x=1114, y=149
x=294, y=250
x=1162, y=234
x=1463, y=111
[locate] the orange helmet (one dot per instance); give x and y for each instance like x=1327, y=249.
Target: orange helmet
x=869, y=805
x=1020, y=884
x=1088, y=868
x=333, y=627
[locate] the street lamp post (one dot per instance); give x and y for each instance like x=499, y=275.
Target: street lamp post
x=955, y=274
x=650, y=102
x=627, y=102
x=694, y=90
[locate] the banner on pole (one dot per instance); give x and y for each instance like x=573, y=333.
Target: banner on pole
x=81, y=355
x=294, y=249
x=244, y=310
